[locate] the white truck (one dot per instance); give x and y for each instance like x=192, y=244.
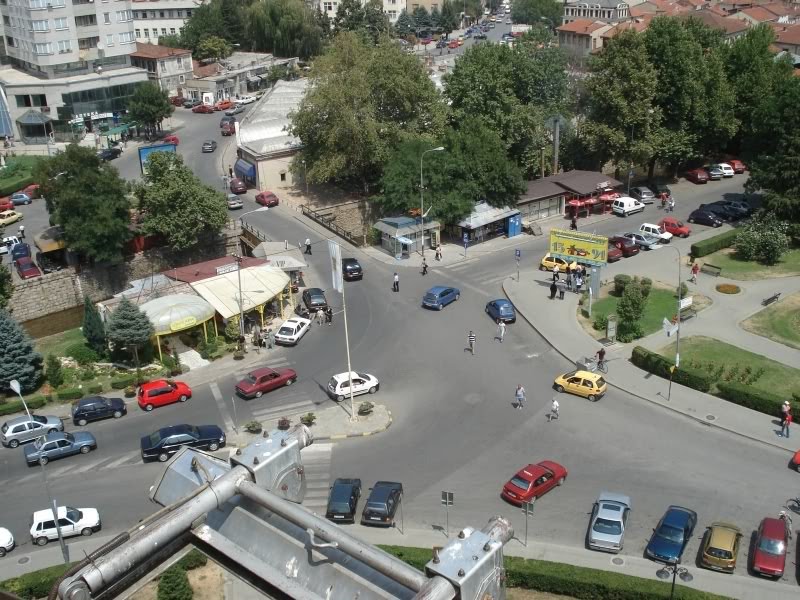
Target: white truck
x=518, y=30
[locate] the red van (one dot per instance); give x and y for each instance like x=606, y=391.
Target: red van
x=161, y=392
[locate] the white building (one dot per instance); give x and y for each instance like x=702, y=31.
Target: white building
x=392, y=8
x=170, y=68
x=154, y=18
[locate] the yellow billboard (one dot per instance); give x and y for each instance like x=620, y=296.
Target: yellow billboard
x=586, y=248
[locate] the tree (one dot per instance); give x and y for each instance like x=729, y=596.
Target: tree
x=213, y=47
x=421, y=17
x=366, y=19
x=286, y=28
x=364, y=100
x=630, y=309
x=20, y=361
x=55, y=376
x=129, y=328
x=89, y=200
x=435, y=17
x=93, y=329
x=233, y=19
x=6, y=286
x=764, y=238
x=175, y=204
x=449, y=17
x=206, y=20
x=533, y=12
x=172, y=40
x=406, y=25
x=149, y=105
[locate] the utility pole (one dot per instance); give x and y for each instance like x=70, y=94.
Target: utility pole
x=422, y=198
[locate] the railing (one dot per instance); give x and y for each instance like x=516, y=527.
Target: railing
x=326, y=220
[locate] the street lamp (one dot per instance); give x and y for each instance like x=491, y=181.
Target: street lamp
x=678, y=323
x=422, y=197
x=305, y=175
x=676, y=571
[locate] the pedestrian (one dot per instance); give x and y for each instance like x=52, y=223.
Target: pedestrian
x=556, y=273
x=329, y=315
x=519, y=396
x=569, y=280
x=671, y=204
x=256, y=339
x=230, y=171
x=553, y=290
x=695, y=271
x=785, y=409
x=786, y=422
x=308, y=246
x=396, y=283
x=439, y=252
x=573, y=225
x=21, y=233
x=562, y=288
x=270, y=339
x=471, y=340
x=501, y=330
x=554, y=409
x=424, y=267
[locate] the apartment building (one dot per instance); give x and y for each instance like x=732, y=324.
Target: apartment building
x=69, y=66
x=392, y=8
x=605, y=11
x=169, y=68
x=155, y=18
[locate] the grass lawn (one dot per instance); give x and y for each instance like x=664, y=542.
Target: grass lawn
x=660, y=303
x=779, y=322
x=58, y=343
x=11, y=181
x=712, y=355
x=742, y=270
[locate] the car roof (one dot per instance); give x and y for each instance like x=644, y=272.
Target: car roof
x=585, y=374
x=296, y=320
x=350, y=260
x=532, y=471
x=173, y=429
x=723, y=535
x=55, y=435
x=439, y=288
x=339, y=377
x=155, y=382
x=91, y=400
x=614, y=497
x=502, y=302
x=773, y=528
x=41, y=515
x=315, y=291
x=261, y=372
x=678, y=516
x=387, y=485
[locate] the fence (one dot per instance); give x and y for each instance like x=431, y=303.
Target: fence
x=326, y=220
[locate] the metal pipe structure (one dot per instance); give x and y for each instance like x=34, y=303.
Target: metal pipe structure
x=377, y=559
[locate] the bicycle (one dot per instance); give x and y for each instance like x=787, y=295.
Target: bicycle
x=793, y=504
x=602, y=366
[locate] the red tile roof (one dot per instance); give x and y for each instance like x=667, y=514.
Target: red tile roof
x=730, y=25
x=156, y=51
x=788, y=35
x=204, y=270
x=781, y=9
x=200, y=70
x=582, y=26
x=639, y=26
x=760, y=14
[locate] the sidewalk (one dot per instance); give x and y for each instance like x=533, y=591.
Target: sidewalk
x=561, y=329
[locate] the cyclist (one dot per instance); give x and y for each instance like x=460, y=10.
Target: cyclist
x=601, y=358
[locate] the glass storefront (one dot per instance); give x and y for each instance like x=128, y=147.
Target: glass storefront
x=541, y=209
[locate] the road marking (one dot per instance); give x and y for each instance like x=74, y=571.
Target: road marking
x=221, y=405
x=272, y=364
x=460, y=265
x=120, y=461
x=286, y=410
x=534, y=355
x=26, y=478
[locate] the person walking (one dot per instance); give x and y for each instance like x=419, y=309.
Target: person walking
x=471, y=340
x=21, y=233
x=671, y=204
x=554, y=410
x=785, y=410
x=695, y=271
x=320, y=316
x=556, y=273
x=573, y=225
x=578, y=284
x=439, y=252
x=553, y=290
x=424, y=267
x=519, y=396
x=230, y=171
x=787, y=420
x=396, y=283
x=562, y=288
x=270, y=339
x=501, y=330
x=308, y=246
x=329, y=316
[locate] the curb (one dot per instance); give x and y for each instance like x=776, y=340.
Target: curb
x=344, y=436
x=645, y=398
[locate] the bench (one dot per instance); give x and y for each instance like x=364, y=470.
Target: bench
x=687, y=312
x=771, y=299
x=711, y=269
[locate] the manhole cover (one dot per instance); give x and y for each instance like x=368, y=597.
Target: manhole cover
x=711, y=418
x=618, y=561
x=23, y=560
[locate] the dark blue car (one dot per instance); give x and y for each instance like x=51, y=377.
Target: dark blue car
x=671, y=535
x=440, y=296
x=501, y=309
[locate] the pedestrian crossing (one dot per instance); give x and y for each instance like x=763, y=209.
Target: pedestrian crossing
x=470, y=270
x=317, y=466
x=294, y=402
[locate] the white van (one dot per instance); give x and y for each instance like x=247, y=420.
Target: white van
x=655, y=231
x=625, y=205
x=71, y=521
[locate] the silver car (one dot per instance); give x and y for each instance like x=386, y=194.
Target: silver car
x=648, y=242
x=58, y=445
x=607, y=525
x=21, y=429
x=643, y=195
x=234, y=202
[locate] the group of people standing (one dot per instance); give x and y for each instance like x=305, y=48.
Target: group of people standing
x=573, y=281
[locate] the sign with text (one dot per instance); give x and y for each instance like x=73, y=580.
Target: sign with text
x=686, y=302
x=585, y=248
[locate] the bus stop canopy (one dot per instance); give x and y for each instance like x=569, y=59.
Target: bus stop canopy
x=259, y=285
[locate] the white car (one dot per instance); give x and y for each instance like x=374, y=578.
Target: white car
x=72, y=521
x=6, y=541
x=292, y=330
x=363, y=383
x=8, y=243
x=727, y=170
x=245, y=100
x=655, y=231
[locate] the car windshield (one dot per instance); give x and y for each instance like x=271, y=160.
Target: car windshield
x=673, y=534
x=363, y=376
x=770, y=546
x=155, y=438
x=39, y=419
x=607, y=527
x=250, y=379
x=505, y=309
x=69, y=437
x=719, y=553
x=521, y=483
x=379, y=507
x=74, y=515
x=600, y=382
x=285, y=331
x=339, y=507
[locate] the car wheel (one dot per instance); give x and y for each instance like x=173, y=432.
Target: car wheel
x=54, y=430
x=259, y=394
x=487, y=310
x=85, y=449
x=41, y=541
x=184, y=398
x=81, y=422
x=542, y=268
x=373, y=389
x=560, y=481
x=717, y=225
x=148, y=407
x=457, y=297
x=560, y=389
x=440, y=307
x=2, y=552
x=289, y=382
x=213, y=446
x=592, y=398
x=86, y=531
x=13, y=443
x=117, y=414
x=43, y=460
x=340, y=398
x=163, y=457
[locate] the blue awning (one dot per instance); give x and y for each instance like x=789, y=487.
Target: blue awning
x=244, y=169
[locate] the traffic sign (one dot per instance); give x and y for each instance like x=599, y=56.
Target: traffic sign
x=518, y=254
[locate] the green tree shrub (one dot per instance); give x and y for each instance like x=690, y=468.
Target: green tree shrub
x=55, y=376
x=656, y=364
x=600, y=322
x=70, y=394
x=232, y=330
x=746, y=395
x=95, y=388
x=620, y=282
x=193, y=560
x=683, y=290
x=15, y=406
x=82, y=354
x=646, y=284
x=93, y=329
x=174, y=585
x=712, y=244
x=629, y=310
x=763, y=238
x=18, y=357
x=120, y=383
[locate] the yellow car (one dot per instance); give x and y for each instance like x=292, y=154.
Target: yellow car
x=582, y=383
x=549, y=263
x=720, y=547
x=7, y=217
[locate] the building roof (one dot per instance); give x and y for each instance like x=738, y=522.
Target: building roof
x=264, y=129
x=581, y=183
x=158, y=52
x=207, y=269
x=638, y=25
x=657, y=7
x=581, y=26
x=788, y=35
x=200, y=70
x=782, y=10
x=483, y=214
x=176, y=312
x=398, y=227
x=731, y=26
x=259, y=285
x=598, y=3
x=759, y=14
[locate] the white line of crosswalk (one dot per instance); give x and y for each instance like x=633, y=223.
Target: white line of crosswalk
x=317, y=466
x=269, y=413
x=275, y=363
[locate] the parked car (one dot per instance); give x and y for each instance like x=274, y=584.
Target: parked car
x=382, y=503
x=71, y=522
x=223, y=104
x=613, y=254
x=19, y=251
x=625, y=205
x=705, y=217
x=245, y=100
x=267, y=199
x=6, y=204
x=440, y=296
x=19, y=430
x=626, y=246
x=727, y=170
x=6, y=541
x=442, y=43
x=723, y=212
x=647, y=242
x=480, y=36
x=351, y=269
x=736, y=207
x=548, y=263
x=192, y=103
x=589, y=385
x=209, y=146
x=177, y=101
x=227, y=120
x=238, y=186
x=660, y=188
x=161, y=392
x=737, y=165
x=314, y=299
x=235, y=110
x=697, y=176
x=26, y=268
x=9, y=242
x=171, y=139
x=655, y=231
x=8, y=217
x=234, y=202
x=20, y=198
x=533, y=481
x=168, y=440
x=343, y=500
x=675, y=227
x=363, y=383
x=256, y=382
x=58, y=445
x=769, y=551
x=608, y=521
x=643, y=195
x=452, y=44
x=33, y=190
x=714, y=172
x=94, y=408
x=720, y=547
x=671, y=535
x=501, y=309
x=203, y=108
x=109, y=154
x=292, y=330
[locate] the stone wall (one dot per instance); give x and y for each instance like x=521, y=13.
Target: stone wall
x=355, y=217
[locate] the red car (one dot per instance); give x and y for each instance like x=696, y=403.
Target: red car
x=697, y=176
x=26, y=268
x=161, y=392
x=33, y=190
x=264, y=380
x=627, y=246
x=533, y=482
x=613, y=254
x=238, y=186
x=675, y=227
x=737, y=165
x=177, y=100
x=267, y=199
x=769, y=555
x=171, y=139
x=227, y=129
x=203, y=108
x=6, y=204
x=452, y=44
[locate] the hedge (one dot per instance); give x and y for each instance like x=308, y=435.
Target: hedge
x=656, y=364
x=193, y=560
x=15, y=406
x=567, y=580
x=712, y=244
x=70, y=394
x=120, y=383
x=174, y=585
x=16, y=184
x=747, y=395
x=36, y=584
x=82, y=354
x=95, y=388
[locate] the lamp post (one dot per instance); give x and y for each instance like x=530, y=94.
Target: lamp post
x=630, y=163
x=678, y=318
x=676, y=571
x=422, y=197
x=305, y=175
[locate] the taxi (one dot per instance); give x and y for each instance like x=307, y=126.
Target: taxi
x=549, y=263
x=581, y=383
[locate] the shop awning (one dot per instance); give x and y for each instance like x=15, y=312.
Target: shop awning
x=176, y=312
x=277, y=255
x=575, y=203
x=33, y=117
x=120, y=129
x=483, y=214
x=404, y=240
x=259, y=285
x=245, y=168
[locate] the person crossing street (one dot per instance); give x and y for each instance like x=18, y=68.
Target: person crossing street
x=501, y=330
x=519, y=396
x=471, y=340
x=424, y=267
